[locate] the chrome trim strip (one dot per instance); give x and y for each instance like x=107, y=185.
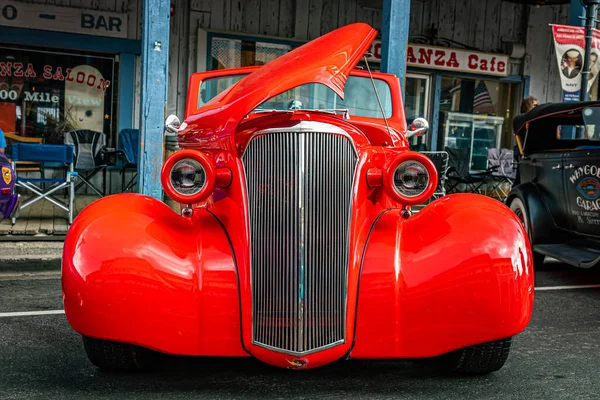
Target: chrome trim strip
x=301, y=353
x=302, y=239
x=306, y=127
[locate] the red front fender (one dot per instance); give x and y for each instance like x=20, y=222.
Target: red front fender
x=458, y=273
x=137, y=272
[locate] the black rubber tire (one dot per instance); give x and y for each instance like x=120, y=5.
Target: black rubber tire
x=517, y=205
x=116, y=356
x=478, y=359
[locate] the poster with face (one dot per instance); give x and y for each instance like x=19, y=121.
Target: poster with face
x=569, y=43
x=84, y=103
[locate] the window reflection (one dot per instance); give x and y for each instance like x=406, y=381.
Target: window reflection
x=45, y=94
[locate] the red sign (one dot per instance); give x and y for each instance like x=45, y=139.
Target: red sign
x=20, y=70
x=448, y=59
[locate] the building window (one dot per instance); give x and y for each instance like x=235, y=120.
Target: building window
x=475, y=116
x=235, y=53
x=45, y=94
x=417, y=94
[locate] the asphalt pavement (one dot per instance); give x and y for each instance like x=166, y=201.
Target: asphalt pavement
x=556, y=357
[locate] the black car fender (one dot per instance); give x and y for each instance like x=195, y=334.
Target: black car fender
x=542, y=227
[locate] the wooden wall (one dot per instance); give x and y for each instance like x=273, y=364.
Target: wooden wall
x=483, y=25
x=540, y=60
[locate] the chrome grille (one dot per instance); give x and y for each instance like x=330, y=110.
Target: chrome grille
x=299, y=197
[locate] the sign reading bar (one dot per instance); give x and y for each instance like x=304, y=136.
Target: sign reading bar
x=449, y=59
x=63, y=19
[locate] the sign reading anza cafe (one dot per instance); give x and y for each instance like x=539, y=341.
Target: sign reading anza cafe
x=449, y=59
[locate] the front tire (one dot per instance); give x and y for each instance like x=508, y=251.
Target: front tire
x=478, y=359
x=116, y=356
x=518, y=207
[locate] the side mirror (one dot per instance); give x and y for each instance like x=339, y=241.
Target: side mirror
x=418, y=127
x=172, y=124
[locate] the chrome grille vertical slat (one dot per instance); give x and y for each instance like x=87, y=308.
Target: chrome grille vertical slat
x=299, y=187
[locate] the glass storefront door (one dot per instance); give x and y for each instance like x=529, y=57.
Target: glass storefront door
x=417, y=95
x=475, y=116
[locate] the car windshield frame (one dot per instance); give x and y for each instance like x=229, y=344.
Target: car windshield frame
x=316, y=96
x=546, y=134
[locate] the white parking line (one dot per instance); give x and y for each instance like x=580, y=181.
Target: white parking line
x=30, y=313
x=55, y=312
x=573, y=287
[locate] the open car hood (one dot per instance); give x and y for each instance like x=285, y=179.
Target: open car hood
x=327, y=60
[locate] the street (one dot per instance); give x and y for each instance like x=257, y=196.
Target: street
x=556, y=357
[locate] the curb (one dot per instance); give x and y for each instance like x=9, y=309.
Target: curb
x=29, y=253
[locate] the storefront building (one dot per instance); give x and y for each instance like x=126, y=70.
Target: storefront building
x=470, y=63
x=66, y=68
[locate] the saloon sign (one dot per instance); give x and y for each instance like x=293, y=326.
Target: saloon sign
x=449, y=59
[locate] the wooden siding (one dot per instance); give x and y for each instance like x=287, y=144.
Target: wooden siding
x=485, y=26
x=482, y=25
x=540, y=60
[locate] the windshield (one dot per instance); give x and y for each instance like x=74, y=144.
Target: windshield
x=359, y=96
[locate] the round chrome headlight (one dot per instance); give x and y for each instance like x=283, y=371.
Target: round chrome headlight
x=188, y=177
x=411, y=178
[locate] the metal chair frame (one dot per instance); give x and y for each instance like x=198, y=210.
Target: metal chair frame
x=441, y=165
x=20, y=152
x=503, y=172
x=99, y=158
x=129, y=145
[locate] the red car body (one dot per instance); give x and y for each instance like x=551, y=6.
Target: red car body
x=456, y=274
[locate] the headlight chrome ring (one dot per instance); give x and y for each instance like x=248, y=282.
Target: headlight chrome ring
x=411, y=178
x=188, y=176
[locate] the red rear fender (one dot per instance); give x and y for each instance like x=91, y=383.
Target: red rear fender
x=135, y=271
x=458, y=273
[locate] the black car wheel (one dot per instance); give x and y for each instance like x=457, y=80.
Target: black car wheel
x=518, y=207
x=478, y=359
x=115, y=356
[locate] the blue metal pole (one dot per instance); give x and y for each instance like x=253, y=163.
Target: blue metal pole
x=394, y=37
x=155, y=61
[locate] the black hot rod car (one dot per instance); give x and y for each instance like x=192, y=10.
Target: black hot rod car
x=557, y=193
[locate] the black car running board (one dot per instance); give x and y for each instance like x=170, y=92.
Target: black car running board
x=570, y=254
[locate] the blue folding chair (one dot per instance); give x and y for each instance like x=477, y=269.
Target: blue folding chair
x=52, y=154
x=129, y=143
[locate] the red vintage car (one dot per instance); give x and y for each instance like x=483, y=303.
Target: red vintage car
x=296, y=243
